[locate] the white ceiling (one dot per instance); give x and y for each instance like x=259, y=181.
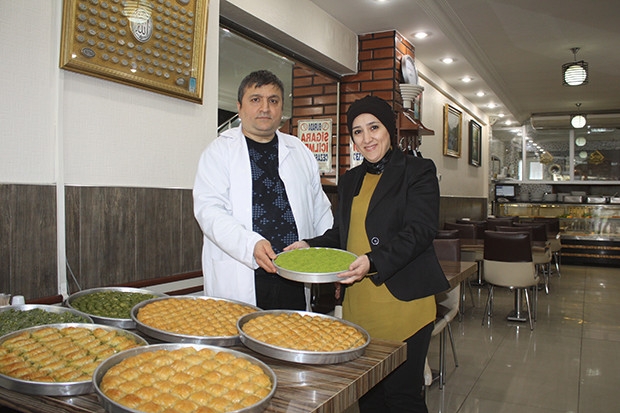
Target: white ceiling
x=514, y=49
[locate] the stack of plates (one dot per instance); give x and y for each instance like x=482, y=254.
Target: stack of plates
x=409, y=92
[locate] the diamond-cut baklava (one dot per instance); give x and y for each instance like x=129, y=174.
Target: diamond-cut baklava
x=304, y=332
x=186, y=380
x=194, y=317
x=68, y=354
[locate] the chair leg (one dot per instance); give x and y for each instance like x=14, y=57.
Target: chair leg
x=535, y=304
x=488, y=308
x=471, y=295
x=442, y=358
x=556, y=260
x=529, y=308
x=456, y=361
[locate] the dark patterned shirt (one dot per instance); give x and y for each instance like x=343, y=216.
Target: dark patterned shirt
x=272, y=216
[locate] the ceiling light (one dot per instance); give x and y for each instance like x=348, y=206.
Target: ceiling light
x=466, y=79
x=447, y=60
x=420, y=35
x=575, y=73
x=580, y=141
x=501, y=115
x=480, y=94
x=491, y=106
x=578, y=121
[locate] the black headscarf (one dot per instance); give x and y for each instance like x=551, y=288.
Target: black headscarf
x=382, y=111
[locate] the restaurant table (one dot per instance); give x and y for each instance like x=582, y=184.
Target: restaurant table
x=301, y=388
x=457, y=272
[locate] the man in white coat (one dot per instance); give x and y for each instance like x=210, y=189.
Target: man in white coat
x=256, y=191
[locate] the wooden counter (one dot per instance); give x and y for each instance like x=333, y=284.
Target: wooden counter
x=301, y=388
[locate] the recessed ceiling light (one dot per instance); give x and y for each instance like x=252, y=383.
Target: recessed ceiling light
x=501, y=115
x=491, y=105
x=480, y=94
x=466, y=79
x=447, y=60
x=508, y=123
x=421, y=35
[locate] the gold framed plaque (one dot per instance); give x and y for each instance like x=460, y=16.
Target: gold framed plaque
x=157, y=45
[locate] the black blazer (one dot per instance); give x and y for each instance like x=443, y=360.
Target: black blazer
x=401, y=223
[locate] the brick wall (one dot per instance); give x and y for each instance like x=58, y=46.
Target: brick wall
x=379, y=74
x=316, y=94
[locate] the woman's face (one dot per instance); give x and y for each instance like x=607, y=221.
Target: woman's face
x=370, y=136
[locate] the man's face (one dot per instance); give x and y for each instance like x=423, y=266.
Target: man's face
x=260, y=112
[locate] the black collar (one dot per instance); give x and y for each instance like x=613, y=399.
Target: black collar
x=378, y=167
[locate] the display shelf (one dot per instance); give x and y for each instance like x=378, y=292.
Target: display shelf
x=590, y=233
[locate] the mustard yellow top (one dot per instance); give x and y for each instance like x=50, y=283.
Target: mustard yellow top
x=373, y=307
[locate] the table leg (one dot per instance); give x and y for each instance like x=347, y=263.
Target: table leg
x=479, y=282
x=518, y=314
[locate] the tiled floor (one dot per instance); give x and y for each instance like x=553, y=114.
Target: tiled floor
x=570, y=362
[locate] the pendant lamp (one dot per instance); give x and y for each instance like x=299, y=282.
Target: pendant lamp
x=575, y=73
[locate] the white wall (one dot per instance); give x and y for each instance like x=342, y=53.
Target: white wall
x=458, y=178
x=28, y=85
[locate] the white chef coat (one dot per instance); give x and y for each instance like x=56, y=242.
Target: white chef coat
x=223, y=208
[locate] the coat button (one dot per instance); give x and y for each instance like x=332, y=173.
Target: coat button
x=374, y=241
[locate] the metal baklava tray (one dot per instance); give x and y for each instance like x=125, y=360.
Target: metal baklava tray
x=57, y=388
x=115, y=322
x=311, y=277
x=55, y=309
x=301, y=356
x=113, y=407
x=171, y=337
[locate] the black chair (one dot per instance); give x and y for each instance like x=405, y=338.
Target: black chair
x=472, y=232
x=447, y=234
x=493, y=223
x=541, y=252
x=553, y=236
x=508, y=263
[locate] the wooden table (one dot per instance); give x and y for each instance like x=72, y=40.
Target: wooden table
x=457, y=272
x=302, y=388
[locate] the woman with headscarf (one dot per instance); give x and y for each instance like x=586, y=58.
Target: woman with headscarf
x=388, y=215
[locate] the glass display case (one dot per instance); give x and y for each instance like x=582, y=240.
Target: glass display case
x=590, y=233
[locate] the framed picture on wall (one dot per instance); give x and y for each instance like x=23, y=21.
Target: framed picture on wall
x=153, y=46
x=452, y=120
x=475, y=143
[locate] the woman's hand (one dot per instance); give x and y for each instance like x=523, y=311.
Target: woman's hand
x=357, y=270
x=296, y=245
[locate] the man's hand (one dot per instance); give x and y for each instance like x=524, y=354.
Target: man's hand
x=264, y=254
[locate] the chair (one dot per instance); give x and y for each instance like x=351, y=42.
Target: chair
x=493, y=223
x=508, y=263
x=541, y=252
x=553, y=235
x=448, y=304
x=452, y=234
x=473, y=232
x=447, y=234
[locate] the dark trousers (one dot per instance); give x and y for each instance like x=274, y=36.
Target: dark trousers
x=402, y=391
x=276, y=293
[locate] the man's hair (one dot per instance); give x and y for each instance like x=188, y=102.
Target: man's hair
x=257, y=79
